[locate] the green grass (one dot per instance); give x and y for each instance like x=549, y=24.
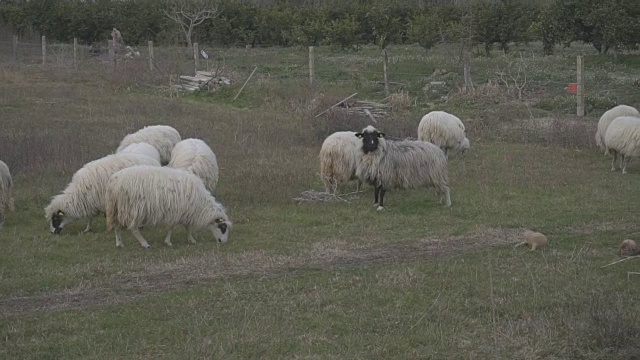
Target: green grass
x=325, y=279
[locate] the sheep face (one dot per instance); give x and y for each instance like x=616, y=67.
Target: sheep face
x=58, y=222
x=370, y=139
x=220, y=229
x=463, y=146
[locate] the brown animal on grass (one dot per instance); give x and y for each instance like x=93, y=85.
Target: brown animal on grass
x=533, y=240
x=628, y=248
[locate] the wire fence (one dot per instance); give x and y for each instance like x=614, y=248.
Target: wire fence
x=404, y=69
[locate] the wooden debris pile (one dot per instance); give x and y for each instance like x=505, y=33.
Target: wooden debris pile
x=371, y=109
x=377, y=110
x=202, y=80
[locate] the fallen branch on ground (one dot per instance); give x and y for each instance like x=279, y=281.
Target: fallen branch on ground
x=322, y=196
x=621, y=260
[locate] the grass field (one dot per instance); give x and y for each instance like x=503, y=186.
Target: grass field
x=328, y=279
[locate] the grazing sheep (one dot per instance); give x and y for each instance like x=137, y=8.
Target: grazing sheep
x=162, y=137
x=339, y=157
x=628, y=248
x=6, y=200
x=444, y=130
x=406, y=164
x=607, y=118
x=534, y=240
x=143, y=149
x=623, y=137
x=151, y=196
x=196, y=157
x=84, y=195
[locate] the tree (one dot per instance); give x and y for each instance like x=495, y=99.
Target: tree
x=189, y=14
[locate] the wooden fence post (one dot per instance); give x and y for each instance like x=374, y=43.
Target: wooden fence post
x=385, y=64
x=75, y=53
x=580, y=87
x=196, y=55
x=311, y=66
x=44, y=50
x=150, y=55
x=15, y=47
x=112, y=53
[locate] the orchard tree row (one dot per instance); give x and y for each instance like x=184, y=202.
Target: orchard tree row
x=606, y=24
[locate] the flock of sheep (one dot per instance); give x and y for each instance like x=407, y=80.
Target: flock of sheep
x=133, y=188
x=156, y=179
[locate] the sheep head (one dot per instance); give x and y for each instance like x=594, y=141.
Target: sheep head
x=371, y=138
x=220, y=229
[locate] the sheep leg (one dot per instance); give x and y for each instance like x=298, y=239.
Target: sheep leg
x=380, y=204
x=136, y=233
x=88, y=228
x=190, y=235
x=376, y=194
x=447, y=195
x=613, y=162
x=534, y=246
x=359, y=186
x=167, y=239
x=623, y=163
x=118, y=239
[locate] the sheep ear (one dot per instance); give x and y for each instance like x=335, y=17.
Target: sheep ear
x=359, y=135
x=60, y=213
x=380, y=135
x=219, y=221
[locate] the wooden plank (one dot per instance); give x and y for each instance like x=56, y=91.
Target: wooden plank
x=338, y=103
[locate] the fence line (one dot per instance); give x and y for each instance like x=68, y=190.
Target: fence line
x=77, y=54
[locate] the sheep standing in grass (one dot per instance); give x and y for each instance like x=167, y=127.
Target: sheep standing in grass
x=161, y=196
x=607, y=118
x=6, y=199
x=406, y=164
x=339, y=157
x=83, y=197
x=162, y=137
x=142, y=149
x=444, y=130
x=196, y=157
x=623, y=137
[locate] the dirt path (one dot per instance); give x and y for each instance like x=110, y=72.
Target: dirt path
x=205, y=270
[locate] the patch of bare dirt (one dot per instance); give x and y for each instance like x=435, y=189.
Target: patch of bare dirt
x=210, y=268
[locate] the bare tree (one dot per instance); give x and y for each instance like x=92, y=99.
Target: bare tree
x=189, y=14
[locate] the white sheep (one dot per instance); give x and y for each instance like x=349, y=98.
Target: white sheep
x=6, y=199
x=623, y=137
x=162, y=137
x=406, y=164
x=444, y=130
x=143, y=149
x=607, y=118
x=196, y=157
x=161, y=196
x=339, y=157
x=84, y=196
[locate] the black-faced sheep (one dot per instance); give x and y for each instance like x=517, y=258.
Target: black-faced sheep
x=161, y=196
x=196, y=157
x=607, y=118
x=406, y=164
x=84, y=196
x=444, y=130
x=162, y=137
x=623, y=137
x=339, y=157
x=6, y=199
